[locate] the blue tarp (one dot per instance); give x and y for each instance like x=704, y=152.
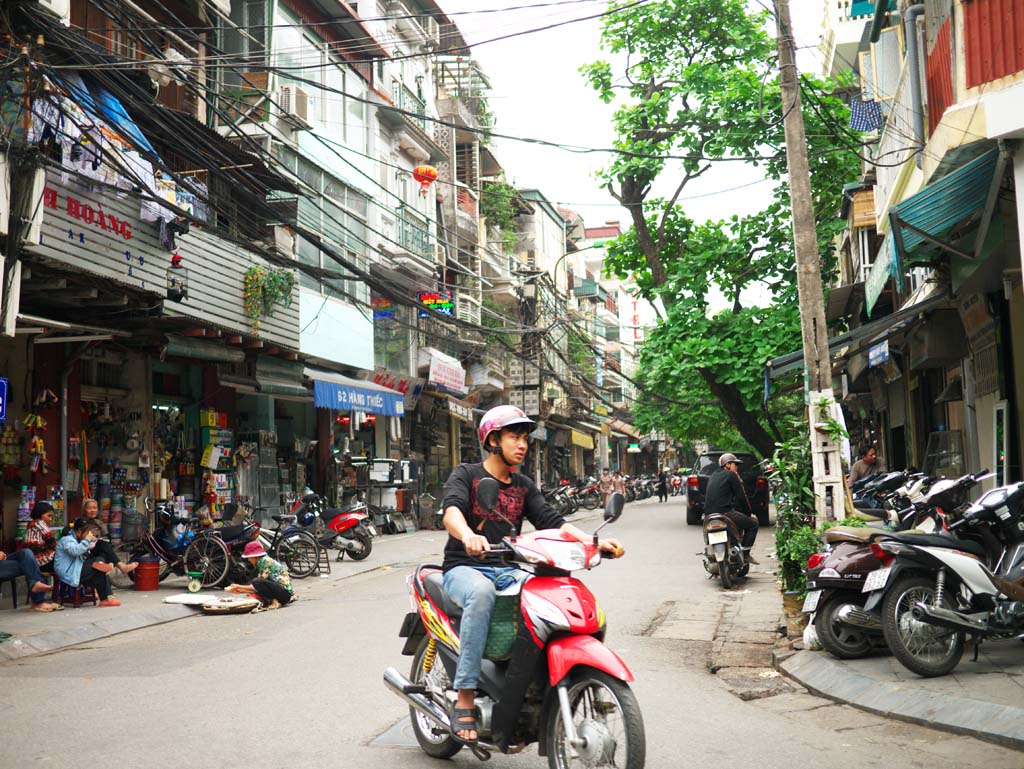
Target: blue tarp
x=341, y=397
x=100, y=103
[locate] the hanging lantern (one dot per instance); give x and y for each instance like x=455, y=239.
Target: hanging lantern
x=425, y=175
x=177, y=280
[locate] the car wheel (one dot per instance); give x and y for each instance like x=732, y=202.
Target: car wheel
x=693, y=515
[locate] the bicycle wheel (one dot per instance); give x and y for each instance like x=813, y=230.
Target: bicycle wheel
x=209, y=555
x=300, y=552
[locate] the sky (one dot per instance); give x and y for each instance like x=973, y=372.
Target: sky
x=538, y=92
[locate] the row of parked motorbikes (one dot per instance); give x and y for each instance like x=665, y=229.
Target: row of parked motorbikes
x=931, y=572
x=212, y=555
x=568, y=497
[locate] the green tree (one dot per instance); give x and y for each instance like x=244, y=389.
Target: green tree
x=698, y=93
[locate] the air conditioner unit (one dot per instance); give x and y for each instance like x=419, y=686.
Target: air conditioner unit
x=59, y=8
x=294, y=106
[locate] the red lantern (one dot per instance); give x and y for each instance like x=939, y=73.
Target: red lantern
x=425, y=175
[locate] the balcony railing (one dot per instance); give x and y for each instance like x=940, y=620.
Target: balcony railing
x=407, y=101
x=413, y=235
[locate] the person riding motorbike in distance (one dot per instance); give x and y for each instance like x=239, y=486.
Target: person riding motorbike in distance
x=471, y=574
x=726, y=495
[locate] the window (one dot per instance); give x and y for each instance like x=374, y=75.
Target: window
x=338, y=213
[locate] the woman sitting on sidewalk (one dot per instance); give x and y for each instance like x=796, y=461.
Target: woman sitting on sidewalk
x=23, y=564
x=103, y=548
x=38, y=537
x=76, y=563
x=272, y=584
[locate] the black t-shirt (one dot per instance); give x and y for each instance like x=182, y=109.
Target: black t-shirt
x=516, y=500
x=725, y=493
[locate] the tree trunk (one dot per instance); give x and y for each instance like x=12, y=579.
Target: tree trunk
x=746, y=422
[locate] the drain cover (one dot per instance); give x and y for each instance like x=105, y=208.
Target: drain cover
x=400, y=735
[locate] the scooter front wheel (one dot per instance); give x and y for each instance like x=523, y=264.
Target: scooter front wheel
x=604, y=712
x=436, y=679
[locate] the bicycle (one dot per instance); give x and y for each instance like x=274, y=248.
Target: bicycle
x=290, y=544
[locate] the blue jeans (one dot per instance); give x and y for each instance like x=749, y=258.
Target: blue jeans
x=23, y=563
x=474, y=589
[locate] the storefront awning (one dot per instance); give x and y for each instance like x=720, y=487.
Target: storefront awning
x=624, y=428
x=919, y=227
x=336, y=391
x=187, y=347
x=851, y=341
x=582, y=439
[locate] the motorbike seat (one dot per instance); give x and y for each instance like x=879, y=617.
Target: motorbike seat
x=735, y=532
x=228, y=533
x=938, y=540
x=347, y=508
x=284, y=518
x=849, y=534
x=434, y=583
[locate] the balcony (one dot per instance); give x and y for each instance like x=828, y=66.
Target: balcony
x=407, y=101
x=590, y=289
x=613, y=362
x=406, y=20
x=894, y=147
x=413, y=235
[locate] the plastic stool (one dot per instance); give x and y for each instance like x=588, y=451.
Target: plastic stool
x=14, y=589
x=77, y=594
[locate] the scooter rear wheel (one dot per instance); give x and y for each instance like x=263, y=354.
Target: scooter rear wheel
x=927, y=650
x=842, y=641
x=724, y=574
x=434, y=745
x=363, y=539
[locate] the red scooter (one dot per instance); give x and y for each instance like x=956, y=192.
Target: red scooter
x=547, y=676
x=349, y=528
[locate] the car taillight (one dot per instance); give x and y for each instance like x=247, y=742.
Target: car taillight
x=881, y=554
x=815, y=560
x=692, y=481
x=762, y=483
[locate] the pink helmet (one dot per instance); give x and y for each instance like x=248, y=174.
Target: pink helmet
x=253, y=550
x=501, y=417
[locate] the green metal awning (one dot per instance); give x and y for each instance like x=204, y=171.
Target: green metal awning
x=187, y=347
x=920, y=226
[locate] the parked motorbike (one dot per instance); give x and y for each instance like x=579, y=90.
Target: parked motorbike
x=935, y=596
x=589, y=494
x=348, y=529
x=723, y=555
x=555, y=683
x=837, y=579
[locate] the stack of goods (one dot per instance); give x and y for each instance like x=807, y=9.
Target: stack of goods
x=114, y=523
x=25, y=505
x=57, y=500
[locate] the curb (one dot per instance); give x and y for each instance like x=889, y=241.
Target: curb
x=110, y=625
x=830, y=678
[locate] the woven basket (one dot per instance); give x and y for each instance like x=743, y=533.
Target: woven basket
x=503, y=628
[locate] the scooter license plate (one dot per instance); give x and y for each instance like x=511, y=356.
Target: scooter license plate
x=717, y=537
x=876, y=580
x=811, y=601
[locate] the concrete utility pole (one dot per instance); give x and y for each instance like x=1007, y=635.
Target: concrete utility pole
x=828, y=468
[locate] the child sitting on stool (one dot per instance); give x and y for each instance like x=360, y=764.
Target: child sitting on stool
x=272, y=584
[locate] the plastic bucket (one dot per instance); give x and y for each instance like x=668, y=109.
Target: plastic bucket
x=147, y=575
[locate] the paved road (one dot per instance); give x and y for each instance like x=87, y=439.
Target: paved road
x=301, y=687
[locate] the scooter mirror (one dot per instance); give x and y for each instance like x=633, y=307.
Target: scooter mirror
x=613, y=507
x=487, y=494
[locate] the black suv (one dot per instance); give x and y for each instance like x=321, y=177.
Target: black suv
x=754, y=480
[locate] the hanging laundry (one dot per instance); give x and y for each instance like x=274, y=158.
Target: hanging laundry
x=865, y=115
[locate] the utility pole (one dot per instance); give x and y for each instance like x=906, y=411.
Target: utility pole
x=828, y=469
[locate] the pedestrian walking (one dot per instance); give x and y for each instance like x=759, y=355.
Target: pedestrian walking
x=663, y=485
x=606, y=486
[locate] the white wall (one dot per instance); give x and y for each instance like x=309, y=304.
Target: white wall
x=335, y=331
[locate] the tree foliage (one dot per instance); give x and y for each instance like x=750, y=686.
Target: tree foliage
x=698, y=93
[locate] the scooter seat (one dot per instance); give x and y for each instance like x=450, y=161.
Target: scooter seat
x=228, y=533
x=938, y=540
x=434, y=583
x=861, y=535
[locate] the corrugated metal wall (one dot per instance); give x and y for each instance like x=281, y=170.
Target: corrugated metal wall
x=216, y=267
x=993, y=39
x=939, y=74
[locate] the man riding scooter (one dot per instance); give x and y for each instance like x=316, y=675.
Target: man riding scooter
x=471, y=575
x=727, y=496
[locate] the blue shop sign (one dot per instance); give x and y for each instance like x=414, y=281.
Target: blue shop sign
x=328, y=395
x=878, y=354
x=3, y=399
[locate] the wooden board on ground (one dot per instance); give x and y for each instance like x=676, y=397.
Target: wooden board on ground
x=233, y=605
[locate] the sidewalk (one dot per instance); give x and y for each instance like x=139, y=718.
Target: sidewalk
x=43, y=632
x=983, y=699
